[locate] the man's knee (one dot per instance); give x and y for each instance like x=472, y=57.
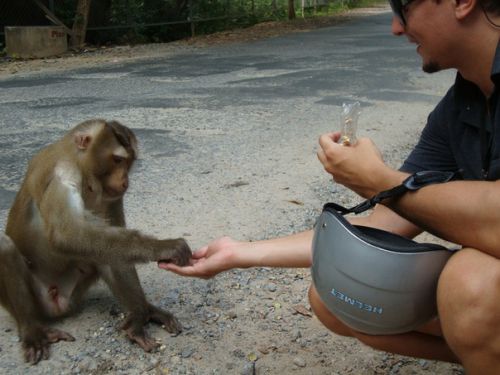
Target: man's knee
x=468, y=293
x=325, y=316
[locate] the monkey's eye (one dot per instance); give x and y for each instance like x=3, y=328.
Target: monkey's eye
x=118, y=159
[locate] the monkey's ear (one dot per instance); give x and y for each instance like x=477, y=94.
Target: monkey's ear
x=82, y=140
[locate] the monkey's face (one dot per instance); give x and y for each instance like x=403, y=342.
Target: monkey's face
x=106, y=152
x=111, y=156
x=114, y=162
x=115, y=180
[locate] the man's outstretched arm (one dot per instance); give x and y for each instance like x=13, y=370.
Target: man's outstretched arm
x=290, y=251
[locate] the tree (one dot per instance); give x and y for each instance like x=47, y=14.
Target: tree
x=77, y=39
x=291, y=10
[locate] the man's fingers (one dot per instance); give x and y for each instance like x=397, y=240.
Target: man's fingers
x=327, y=139
x=181, y=270
x=321, y=156
x=324, y=139
x=335, y=136
x=200, y=253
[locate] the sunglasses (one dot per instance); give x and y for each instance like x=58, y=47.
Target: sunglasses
x=399, y=8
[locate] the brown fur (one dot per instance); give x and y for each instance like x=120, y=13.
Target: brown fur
x=67, y=227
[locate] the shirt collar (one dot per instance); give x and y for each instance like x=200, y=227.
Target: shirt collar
x=469, y=98
x=495, y=70
x=468, y=101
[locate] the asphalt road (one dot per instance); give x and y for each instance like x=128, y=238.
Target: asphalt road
x=166, y=100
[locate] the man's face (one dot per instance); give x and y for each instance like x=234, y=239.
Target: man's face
x=399, y=8
x=423, y=24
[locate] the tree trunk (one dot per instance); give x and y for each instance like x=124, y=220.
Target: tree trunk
x=291, y=10
x=274, y=7
x=80, y=24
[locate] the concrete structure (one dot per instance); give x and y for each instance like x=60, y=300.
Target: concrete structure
x=35, y=41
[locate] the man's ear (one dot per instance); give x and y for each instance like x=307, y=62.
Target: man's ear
x=464, y=7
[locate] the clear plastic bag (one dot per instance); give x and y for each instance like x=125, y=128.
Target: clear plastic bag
x=349, y=123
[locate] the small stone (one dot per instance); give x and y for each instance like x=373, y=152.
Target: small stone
x=263, y=349
x=423, y=363
x=296, y=334
x=186, y=353
x=154, y=363
x=238, y=353
x=252, y=357
x=299, y=362
x=87, y=365
x=271, y=287
x=248, y=369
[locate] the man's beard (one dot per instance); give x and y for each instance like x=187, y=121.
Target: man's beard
x=431, y=67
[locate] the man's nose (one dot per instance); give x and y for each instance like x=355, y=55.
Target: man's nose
x=397, y=27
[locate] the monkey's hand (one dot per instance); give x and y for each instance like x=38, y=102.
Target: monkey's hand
x=36, y=341
x=175, y=251
x=135, y=322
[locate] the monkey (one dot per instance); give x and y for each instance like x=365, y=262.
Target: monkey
x=66, y=229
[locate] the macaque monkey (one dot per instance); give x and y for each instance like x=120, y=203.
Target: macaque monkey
x=67, y=229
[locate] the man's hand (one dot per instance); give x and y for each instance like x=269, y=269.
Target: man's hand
x=209, y=260
x=359, y=167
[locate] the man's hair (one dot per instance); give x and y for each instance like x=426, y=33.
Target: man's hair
x=491, y=6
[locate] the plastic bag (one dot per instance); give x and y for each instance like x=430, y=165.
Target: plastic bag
x=349, y=123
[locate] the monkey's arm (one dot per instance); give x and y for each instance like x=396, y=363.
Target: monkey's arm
x=76, y=232
x=289, y=251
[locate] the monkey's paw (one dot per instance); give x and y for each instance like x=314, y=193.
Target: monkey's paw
x=134, y=326
x=179, y=254
x=139, y=336
x=36, y=342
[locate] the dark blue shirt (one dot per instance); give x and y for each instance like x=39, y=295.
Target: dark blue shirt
x=451, y=140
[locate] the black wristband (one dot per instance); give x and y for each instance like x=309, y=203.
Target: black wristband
x=423, y=178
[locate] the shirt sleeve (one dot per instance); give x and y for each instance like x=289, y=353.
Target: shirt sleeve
x=433, y=151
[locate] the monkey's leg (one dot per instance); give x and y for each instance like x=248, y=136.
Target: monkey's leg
x=125, y=285
x=16, y=295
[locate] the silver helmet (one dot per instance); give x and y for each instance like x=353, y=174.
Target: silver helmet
x=374, y=281
x=377, y=282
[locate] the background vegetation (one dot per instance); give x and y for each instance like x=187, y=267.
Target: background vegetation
x=143, y=21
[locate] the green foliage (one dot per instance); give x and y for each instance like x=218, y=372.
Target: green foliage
x=65, y=11
x=141, y=21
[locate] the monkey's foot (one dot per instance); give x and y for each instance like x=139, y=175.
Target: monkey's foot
x=140, y=337
x=134, y=326
x=166, y=320
x=36, y=343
